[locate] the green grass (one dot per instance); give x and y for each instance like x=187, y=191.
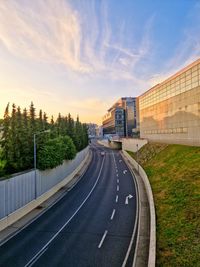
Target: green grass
x=174, y=174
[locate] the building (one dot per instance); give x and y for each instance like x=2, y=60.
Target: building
x=170, y=111
x=122, y=119
x=92, y=129
x=99, y=131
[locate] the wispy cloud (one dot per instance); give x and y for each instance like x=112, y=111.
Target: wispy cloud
x=43, y=31
x=54, y=32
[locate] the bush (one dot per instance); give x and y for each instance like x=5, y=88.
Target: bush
x=54, y=151
x=69, y=148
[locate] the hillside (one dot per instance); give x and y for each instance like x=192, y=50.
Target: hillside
x=174, y=174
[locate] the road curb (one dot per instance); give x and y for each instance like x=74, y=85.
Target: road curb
x=140, y=174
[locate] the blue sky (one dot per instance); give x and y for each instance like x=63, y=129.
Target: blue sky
x=80, y=56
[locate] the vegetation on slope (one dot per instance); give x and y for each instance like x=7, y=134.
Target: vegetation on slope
x=174, y=174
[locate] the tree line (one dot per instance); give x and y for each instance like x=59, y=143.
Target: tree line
x=56, y=140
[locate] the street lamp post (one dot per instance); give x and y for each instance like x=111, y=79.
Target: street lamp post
x=137, y=157
x=35, y=157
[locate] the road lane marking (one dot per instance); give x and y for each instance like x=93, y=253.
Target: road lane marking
x=113, y=214
x=42, y=252
x=42, y=213
x=125, y=171
x=117, y=174
x=118, y=188
x=137, y=222
x=116, y=199
x=45, y=247
x=118, y=181
x=127, y=198
x=103, y=238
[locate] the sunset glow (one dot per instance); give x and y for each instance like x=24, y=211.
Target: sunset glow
x=81, y=56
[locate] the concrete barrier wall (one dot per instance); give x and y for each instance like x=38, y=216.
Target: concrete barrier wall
x=104, y=143
x=152, y=245
x=131, y=144
x=17, y=194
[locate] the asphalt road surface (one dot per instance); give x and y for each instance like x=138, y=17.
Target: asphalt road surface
x=92, y=225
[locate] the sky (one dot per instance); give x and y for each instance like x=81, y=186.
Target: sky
x=80, y=56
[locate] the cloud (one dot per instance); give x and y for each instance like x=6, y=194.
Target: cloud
x=55, y=32
x=43, y=30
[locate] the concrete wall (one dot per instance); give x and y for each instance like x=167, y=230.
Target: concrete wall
x=152, y=244
x=17, y=194
x=130, y=144
x=103, y=142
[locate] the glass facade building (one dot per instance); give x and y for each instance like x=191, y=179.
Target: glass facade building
x=170, y=111
x=122, y=118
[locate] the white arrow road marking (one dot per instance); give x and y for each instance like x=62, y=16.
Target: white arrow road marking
x=104, y=236
x=127, y=198
x=125, y=171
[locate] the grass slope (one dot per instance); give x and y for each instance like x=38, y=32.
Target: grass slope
x=174, y=174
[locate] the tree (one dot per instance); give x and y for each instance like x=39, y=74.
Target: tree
x=5, y=141
x=16, y=153
x=27, y=142
x=51, y=154
x=69, y=147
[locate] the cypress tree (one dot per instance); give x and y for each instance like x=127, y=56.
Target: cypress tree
x=27, y=140
x=45, y=120
x=40, y=121
x=5, y=143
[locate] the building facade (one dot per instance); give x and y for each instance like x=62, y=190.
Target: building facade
x=91, y=129
x=170, y=111
x=122, y=118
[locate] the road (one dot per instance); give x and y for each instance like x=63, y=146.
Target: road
x=92, y=225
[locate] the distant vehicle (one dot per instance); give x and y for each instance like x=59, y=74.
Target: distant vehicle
x=102, y=153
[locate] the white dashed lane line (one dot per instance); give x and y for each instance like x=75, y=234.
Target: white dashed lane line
x=113, y=214
x=116, y=199
x=103, y=238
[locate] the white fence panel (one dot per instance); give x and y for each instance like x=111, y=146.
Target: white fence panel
x=3, y=199
x=20, y=189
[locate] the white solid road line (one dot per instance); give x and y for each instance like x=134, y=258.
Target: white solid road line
x=116, y=200
x=113, y=214
x=45, y=247
x=118, y=188
x=103, y=238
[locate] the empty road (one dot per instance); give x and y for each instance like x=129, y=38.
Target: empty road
x=92, y=225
